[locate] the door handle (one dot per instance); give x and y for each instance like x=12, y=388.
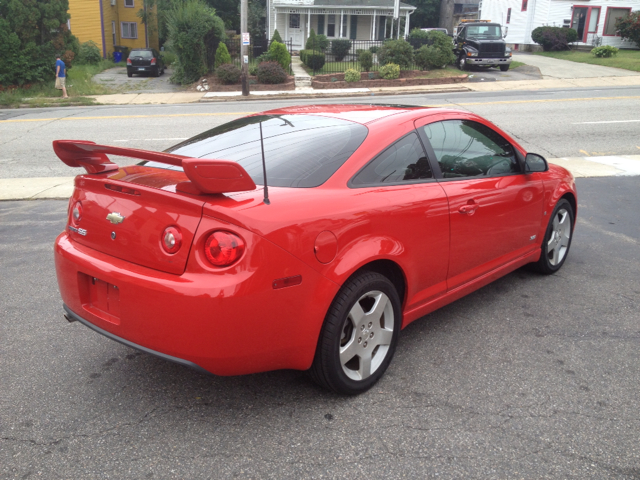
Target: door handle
x=469, y=209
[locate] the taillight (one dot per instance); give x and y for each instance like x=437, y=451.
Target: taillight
x=223, y=248
x=76, y=213
x=153, y=61
x=128, y=61
x=171, y=240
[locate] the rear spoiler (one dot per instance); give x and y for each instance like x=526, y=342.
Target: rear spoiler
x=206, y=175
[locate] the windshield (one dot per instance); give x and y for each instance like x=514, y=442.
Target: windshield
x=300, y=150
x=141, y=53
x=487, y=32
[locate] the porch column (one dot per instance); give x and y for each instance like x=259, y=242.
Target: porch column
x=286, y=27
x=341, y=17
x=384, y=35
x=392, y=25
x=373, y=26
x=406, y=26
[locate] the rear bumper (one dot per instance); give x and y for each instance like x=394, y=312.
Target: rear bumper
x=488, y=61
x=142, y=69
x=227, y=323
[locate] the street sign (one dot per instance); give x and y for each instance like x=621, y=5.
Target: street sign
x=246, y=39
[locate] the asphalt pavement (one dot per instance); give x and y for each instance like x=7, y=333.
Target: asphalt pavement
x=530, y=377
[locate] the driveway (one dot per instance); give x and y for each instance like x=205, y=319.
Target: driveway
x=555, y=68
x=116, y=79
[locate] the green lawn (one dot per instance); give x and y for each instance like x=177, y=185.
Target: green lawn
x=627, y=59
x=79, y=83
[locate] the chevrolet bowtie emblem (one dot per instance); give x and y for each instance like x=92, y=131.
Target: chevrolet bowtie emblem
x=115, y=218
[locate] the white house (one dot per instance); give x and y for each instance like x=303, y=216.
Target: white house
x=594, y=20
x=353, y=19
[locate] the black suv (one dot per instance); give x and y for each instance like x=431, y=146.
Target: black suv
x=480, y=43
x=145, y=60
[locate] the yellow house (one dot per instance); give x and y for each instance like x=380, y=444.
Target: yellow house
x=112, y=23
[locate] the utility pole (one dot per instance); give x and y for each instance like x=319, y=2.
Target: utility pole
x=244, y=51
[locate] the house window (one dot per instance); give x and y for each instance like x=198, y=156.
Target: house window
x=524, y=5
x=128, y=3
x=129, y=29
x=353, y=32
x=344, y=26
x=320, y=24
x=613, y=14
x=331, y=25
x=508, y=15
x=294, y=20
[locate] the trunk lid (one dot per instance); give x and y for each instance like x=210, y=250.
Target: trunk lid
x=141, y=202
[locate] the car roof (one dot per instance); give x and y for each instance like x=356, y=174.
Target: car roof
x=363, y=114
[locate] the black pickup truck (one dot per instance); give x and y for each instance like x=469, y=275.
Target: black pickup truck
x=481, y=43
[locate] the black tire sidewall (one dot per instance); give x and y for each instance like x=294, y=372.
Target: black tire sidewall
x=351, y=292
x=543, y=264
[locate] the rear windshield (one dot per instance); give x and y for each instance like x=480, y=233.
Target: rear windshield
x=300, y=150
x=141, y=53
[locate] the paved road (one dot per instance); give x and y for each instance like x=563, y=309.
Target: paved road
x=530, y=377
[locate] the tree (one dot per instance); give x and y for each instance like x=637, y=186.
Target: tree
x=32, y=32
x=427, y=13
x=629, y=27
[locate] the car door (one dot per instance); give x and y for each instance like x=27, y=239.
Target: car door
x=495, y=209
x=412, y=208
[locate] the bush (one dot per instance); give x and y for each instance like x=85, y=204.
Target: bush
x=89, y=53
x=351, y=75
x=437, y=53
x=554, y=39
x=374, y=49
x=253, y=70
x=228, y=73
x=605, y=51
x=390, y=71
x=323, y=42
x=340, y=48
x=278, y=53
x=629, y=27
x=222, y=55
x=365, y=58
x=311, y=41
x=276, y=36
x=399, y=52
x=271, y=72
x=168, y=58
x=312, y=59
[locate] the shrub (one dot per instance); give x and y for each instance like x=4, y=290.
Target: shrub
x=222, y=55
x=366, y=60
x=605, y=51
x=323, y=42
x=253, y=70
x=89, y=53
x=374, y=49
x=168, y=58
x=271, y=72
x=399, y=52
x=629, y=27
x=278, y=53
x=351, y=75
x=312, y=59
x=276, y=36
x=390, y=71
x=554, y=39
x=228, y=73
x=340, y=48
x=311, y=41
x=438, y=52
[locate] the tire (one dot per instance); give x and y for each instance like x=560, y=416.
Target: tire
x=359, y=335
x=156, y=73
x=504, y=68
x=462, y=63
x=557, y=239
x=129, y=74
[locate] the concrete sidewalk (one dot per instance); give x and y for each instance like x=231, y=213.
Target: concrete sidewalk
x=62, y=187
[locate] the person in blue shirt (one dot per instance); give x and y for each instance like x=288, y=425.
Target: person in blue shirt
x=61, y=71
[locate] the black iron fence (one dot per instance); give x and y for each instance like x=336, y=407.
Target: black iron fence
x=340, y=55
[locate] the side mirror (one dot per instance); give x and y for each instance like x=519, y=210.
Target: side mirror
x=535, y=163
x=506, y=31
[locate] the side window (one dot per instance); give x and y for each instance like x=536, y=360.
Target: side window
x=404, y=161
x=469, y=149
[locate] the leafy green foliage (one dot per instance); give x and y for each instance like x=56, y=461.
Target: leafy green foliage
x=399, y=52
x=188, y=24
x=278, y=53
x=276, y=36
x=554, y=39
x=417, y=34
x=31, y=34
x=89, y=53
x=313, y=59
x=222, y=55
x=605, y=51
x=311, y=41
x=351, y=75
x=340, y=48
x=629, y=27
x=323, y=42
x=390, y=71
x=228, y=73
x=437, y=53
x=427, y=13
x=169, y=58
x=365, y=58
x=271, y=72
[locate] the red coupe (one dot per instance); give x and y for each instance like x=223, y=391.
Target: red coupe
x=303, y=237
